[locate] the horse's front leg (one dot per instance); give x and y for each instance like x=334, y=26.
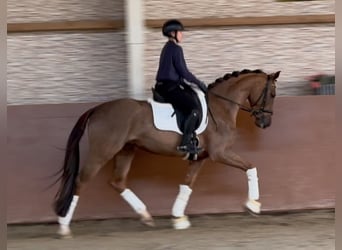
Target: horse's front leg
x=230, y=158
x=181, y=221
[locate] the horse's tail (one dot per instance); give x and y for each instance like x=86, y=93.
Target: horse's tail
x=70, y=169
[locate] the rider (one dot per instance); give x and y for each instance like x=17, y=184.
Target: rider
x=170, y=83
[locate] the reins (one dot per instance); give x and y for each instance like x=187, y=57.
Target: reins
x=250, y=109
x=242, y=107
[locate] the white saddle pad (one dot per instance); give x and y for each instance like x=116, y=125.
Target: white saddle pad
x=164, y=120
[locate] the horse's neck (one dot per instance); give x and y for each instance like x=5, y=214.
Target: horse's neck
x=226, y=108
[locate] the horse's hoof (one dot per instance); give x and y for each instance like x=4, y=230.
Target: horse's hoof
x=148, y=222
x=65, y=237
x=147, y=219
x=181, y=223
x=253, y=207
x=64, y=233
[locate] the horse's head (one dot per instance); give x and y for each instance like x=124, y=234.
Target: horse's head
x=256, y=86
x=261, y=100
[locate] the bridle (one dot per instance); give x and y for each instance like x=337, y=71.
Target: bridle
x=252, y=110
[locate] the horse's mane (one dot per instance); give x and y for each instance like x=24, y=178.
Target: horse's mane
x=233, y=74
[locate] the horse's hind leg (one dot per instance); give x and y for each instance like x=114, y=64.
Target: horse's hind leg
x=93, y=164
x=123, y=161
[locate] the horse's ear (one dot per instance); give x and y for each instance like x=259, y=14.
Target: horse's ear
x=276, y=75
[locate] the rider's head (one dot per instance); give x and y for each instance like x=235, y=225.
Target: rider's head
x=173, y=29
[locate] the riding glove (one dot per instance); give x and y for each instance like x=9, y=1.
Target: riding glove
x=203, y=87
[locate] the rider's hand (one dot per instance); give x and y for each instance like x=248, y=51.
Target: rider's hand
x=203, y=87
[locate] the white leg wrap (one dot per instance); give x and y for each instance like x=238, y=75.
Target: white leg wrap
x=253, y=185
x=181, y=201
x=138, y=206
x=254, y=206
x=65, y=221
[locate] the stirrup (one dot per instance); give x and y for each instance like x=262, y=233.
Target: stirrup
x=192, y=156
x=183, y=148
x=189, y=149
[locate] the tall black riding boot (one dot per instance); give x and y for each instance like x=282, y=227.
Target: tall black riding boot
x=188, y=143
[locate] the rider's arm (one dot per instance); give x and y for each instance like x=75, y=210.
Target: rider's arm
x=182, y=69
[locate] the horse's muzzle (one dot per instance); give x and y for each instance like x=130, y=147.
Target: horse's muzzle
x=263, y=121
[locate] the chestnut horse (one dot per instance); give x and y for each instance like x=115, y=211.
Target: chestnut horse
x=118, y=127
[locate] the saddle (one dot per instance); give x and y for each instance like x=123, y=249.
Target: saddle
x=166, y=118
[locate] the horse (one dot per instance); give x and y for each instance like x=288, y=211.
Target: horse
x=116, y=129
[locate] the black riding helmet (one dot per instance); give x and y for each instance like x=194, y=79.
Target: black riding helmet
x=172, y=25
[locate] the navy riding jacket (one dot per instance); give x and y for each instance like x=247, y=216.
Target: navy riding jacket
x=172, y=65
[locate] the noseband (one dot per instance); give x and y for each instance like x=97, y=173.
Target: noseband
x=262, y=96
x=252, y=110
